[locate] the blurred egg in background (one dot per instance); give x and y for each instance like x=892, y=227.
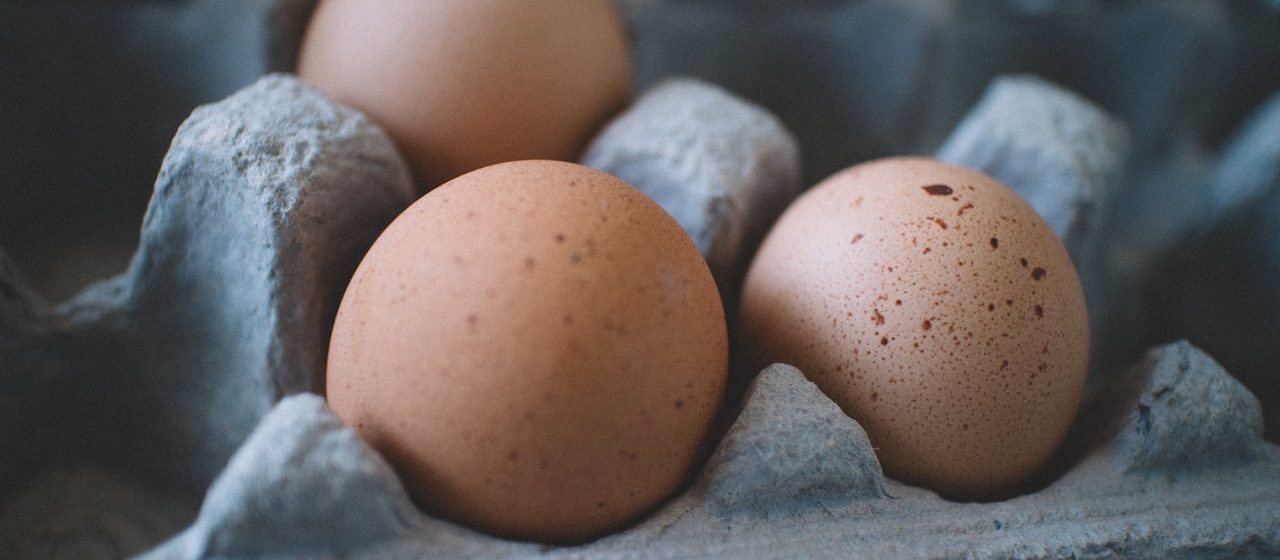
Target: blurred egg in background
x=462, y=85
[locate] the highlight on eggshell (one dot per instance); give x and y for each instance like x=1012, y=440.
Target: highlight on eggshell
x=536, y=347
x=937, y=309
x=462, y=85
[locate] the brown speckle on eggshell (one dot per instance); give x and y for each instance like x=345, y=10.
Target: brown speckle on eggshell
x=957, y=392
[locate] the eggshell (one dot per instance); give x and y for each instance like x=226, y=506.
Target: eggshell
x=461, y=85
x=536, y=347
x=937, y=309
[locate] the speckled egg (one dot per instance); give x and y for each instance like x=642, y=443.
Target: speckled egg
x=937, y=309
x=536, y=347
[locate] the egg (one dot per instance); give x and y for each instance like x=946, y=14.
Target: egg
x=536, y=347
x=937, y=309
x=461, y=85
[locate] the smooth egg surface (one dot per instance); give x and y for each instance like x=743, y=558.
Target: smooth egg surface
x=536, y=347
x=937, y=309
x=462, y=85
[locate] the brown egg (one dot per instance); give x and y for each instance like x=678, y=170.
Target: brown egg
x=937, y=309
x=461, y=85
x=536, y=347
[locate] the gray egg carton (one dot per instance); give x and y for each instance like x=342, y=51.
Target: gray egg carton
x=170, y=411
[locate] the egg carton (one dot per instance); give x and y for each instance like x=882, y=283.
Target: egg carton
x=170, y=411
